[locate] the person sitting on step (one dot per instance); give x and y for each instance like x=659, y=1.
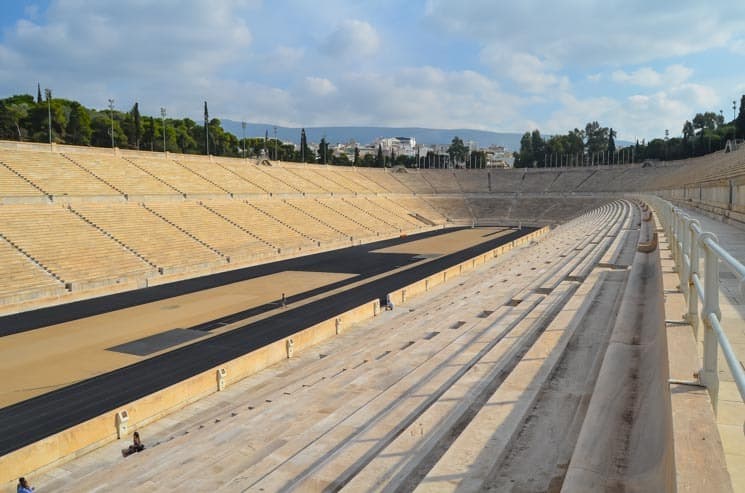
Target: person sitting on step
x=136, y=446
x=23, y=486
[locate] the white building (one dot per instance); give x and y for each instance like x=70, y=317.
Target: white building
x=401, y=146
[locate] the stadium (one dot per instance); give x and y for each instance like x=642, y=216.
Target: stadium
x=274, y=326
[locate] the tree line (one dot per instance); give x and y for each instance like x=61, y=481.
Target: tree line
x=705, y=133
x=25, y=118
x=49, y=119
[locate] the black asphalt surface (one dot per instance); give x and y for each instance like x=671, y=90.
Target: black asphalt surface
x=354, y=260
x=36, y=418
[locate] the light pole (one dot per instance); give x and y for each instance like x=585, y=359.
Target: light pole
x=163, y=117
x=111, y=112
x=48, y=94
x=243, y=147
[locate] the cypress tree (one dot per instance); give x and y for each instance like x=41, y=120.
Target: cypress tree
x=304, y=154
x=740, y=121
x=138, y=124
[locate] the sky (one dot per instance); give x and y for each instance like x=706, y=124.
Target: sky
x=637, y=66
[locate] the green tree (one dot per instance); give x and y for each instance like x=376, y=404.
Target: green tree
x=38, y=120
x=611, y=144
x=101, y=130
x=306, y=154
x=356, y=161
x=655, y=149
x=740, y=120
x=458, y=151
x=596, y=139
x=148, y=135
x=379, y=160
x=79, y=129
x=524, y=158
x=538, y=146
x=688, y=131
x=323, y=151
x=137, y=124
x=340, y=159
x=17, y=113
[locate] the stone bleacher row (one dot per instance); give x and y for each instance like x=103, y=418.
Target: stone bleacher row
x=710, y=168
x=434, y=399
x=69, y=176
x=73, y=222
x=86, y=245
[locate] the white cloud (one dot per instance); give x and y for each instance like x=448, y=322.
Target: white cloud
x=31, y=11
x=352, y=38
x=648, y=77
x=281, y=59
x=417, y=96
x=87, y=49
x=613, y=32
x=528, y=71
x=698, y=96
x=636, y=116
x=737, y=46
x=318, y=86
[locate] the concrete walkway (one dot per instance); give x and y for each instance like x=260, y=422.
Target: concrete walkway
x=730, y=407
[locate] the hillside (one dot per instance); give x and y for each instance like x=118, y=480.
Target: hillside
x=366, y=135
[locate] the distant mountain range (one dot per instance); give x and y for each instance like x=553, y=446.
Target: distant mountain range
x=367, y=135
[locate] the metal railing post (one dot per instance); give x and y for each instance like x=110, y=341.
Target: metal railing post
x=671, y=240
x=710, y=378
x=676, y=238
x=693, y=269
x=685, y=253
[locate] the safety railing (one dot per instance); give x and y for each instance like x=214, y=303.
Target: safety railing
x=691, y=247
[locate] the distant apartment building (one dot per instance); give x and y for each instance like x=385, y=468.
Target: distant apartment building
x=498, y=157
x=400, y=146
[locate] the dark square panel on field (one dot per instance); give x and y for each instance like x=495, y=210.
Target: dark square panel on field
x=157, y=342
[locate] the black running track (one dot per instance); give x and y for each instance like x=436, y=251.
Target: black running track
x=26, y=422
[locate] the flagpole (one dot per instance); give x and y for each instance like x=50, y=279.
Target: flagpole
x=206, y=129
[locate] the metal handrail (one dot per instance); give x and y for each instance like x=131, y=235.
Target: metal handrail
x=688, y=244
